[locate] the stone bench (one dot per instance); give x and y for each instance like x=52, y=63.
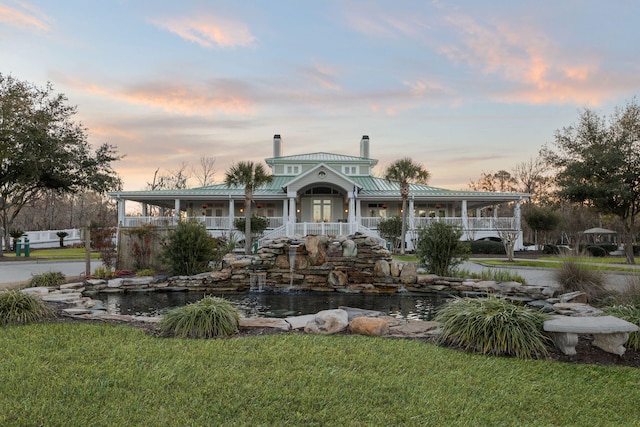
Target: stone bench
x=609, y=332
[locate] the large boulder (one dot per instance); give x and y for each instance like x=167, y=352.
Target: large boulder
x=373, y=326
x=409, y=274
x=381, y=269
x=328, y=322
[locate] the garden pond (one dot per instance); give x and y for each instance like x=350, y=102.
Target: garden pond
x=404, y=305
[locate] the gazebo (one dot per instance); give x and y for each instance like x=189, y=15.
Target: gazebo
x=600, y=235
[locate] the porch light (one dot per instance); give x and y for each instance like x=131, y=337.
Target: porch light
x=259, y=205
x=241, y=210
x=384, y=206
x=438, y=205
x=205, y=206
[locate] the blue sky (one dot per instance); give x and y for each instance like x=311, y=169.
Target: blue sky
x=462, y=87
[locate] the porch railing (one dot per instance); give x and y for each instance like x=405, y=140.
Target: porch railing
x=332, y=228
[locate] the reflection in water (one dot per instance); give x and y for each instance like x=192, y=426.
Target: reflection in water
x=261, y=304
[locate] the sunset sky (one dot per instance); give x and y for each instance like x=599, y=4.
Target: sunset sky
x=462, y=87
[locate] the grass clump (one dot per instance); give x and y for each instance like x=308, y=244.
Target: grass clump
x=573, y=276
x=18, y=307
x=630, y=313
x=49, y=278
x=210, y=317
x=495, y=274
x=493, y=326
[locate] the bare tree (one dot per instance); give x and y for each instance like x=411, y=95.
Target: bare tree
x=531, y=177
x=206, y=170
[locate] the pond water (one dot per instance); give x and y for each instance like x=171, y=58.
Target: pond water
x=267, y=304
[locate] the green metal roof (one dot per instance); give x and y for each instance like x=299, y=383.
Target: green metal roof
x=320, y=157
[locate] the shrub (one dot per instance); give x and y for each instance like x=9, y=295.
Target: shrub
x=493, y=326
x=102, y=272
x=207, y=318
x=596, y=251
x=49, y=278
x=391, y=229
x=630, y=313
x=440, y=249
x=19, y=307
x=574, y=276
x=487, y=247
x=190, y=249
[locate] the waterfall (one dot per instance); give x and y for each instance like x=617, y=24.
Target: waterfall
x=292, y=262
x=256, y=281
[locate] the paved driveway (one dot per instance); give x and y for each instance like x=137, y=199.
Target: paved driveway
x=22, y=271
x=545, y=276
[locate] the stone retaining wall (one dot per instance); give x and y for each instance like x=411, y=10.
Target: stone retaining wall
x=353, y=264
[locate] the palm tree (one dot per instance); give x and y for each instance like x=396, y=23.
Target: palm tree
x=405, y=171
x=250, y=176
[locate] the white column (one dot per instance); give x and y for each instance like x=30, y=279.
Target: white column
x=292, y=212
x=232, y=214
x=352, y=210
x=463, y=214
x=145, y=209
x=285, y=211
x=412, y=222
x=176, y=210
x=518, y=225
x=121, y=212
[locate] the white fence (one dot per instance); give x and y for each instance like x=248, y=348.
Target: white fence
x=50, y=239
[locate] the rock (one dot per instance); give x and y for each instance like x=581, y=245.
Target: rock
x=337, y=279
x=372, y=326
x=577, y=297
x=352, y=312
x=415, y=328
x=408, y=275
x=349, y=249
x=76, y=285
x=328, y=322
x=576, y=309
x=394, y=269
x=299, y=322
x=40, y=290
x=261, y=322
x=381, y=268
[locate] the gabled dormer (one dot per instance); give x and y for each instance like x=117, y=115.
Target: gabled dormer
x=300, y=164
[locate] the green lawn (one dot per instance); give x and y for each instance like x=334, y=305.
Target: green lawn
x=62, y=254
x=101, y=374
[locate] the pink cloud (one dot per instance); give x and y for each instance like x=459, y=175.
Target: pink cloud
x=29, y=18
x=191, y=99
x=324, y=75
x=208, y=31
x=525, y=57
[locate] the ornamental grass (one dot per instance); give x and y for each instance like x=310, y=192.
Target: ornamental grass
x=574, y=276
x=210, y=317
x=630, y=313
x=493, y=326
x=18, y=307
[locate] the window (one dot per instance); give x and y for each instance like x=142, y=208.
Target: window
x=293, y=169
x=350, y=170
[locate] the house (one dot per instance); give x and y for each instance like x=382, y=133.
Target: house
x=329, y=194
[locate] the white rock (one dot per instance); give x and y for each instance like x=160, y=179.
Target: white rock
x=328, y=322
